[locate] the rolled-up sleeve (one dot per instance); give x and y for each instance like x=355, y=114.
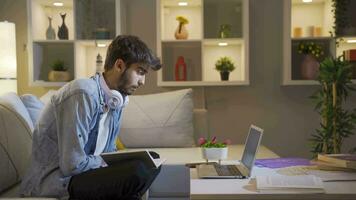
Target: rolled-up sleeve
x=73, y=118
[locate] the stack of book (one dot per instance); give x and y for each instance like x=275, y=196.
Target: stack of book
x=340, y=162
x=350, y=56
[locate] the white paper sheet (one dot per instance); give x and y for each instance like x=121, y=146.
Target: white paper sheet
x=289, y=184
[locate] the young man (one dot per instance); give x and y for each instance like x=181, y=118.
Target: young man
x=82, y=121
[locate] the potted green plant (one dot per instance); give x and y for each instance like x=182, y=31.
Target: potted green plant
x=59, y=72
x=312, y=52
x=212, y=149
x=337, y=123
x=181, y=32
x=224, y=65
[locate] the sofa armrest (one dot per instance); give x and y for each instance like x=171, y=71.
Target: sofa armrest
x=15, y=139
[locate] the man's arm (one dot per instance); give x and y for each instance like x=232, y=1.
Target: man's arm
x=74, y=116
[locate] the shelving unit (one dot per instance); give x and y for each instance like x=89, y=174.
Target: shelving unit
x=201, y=49
x=90, y=24
x=310, y=22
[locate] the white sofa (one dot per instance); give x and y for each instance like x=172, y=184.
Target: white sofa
x=17, y=118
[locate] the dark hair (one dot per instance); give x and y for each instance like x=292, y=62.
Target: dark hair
x=131, y=50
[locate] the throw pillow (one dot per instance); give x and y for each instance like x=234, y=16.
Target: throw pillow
x=33, y=105
x=159, y=120
x=119, y=145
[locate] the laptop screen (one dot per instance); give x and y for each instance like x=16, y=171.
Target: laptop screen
x=251, y=146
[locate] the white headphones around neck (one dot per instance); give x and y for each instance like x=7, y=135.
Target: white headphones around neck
x=114, y=98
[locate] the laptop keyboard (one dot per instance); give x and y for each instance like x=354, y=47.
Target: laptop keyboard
x=227, y=170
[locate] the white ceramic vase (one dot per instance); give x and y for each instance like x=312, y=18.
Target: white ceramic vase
x=214, y=153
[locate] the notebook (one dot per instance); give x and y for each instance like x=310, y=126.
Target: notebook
x=242, y=170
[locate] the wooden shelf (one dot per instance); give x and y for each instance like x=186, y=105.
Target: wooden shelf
x=201, y=83
x=83, y=20
x=201, y=50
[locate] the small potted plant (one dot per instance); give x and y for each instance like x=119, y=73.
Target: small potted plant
x=224, y=65
x=212, y=149
x=310, y=64
x=181, y=32
x=59, y=72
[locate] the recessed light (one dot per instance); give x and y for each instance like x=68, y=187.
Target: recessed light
x=182, y=3
x=100, y=44
x=307, y=1
x=59, y=4
x=223, y=44
x=351, y=41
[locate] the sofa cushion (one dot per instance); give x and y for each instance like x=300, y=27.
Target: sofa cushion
x=33, y=105
x=12, y=103
x=159, y=120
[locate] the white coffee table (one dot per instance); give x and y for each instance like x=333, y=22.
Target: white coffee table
x=246, y=189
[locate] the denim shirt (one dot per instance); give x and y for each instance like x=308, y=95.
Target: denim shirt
x=64, y=138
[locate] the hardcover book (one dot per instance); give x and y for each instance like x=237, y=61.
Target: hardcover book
x=339, y=160
x=122, y=156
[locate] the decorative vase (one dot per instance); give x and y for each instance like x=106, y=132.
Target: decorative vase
x=214, y=153
x=224, y=75
x=309, y=67
x=50, y=33
x=58, y=76
x=181, y=32
x=180, y=73
x=63, y=30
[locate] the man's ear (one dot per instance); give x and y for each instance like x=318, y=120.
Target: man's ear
x=120, y=65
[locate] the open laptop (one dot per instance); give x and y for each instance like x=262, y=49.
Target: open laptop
x=242, y=170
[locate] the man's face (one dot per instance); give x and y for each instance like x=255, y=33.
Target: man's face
x=132, y=78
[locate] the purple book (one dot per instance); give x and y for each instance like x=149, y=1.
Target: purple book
x=282, y=162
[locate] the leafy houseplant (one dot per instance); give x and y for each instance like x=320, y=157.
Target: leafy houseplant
x=224, y=65
x=181, y=32
x=58, y=65
x=59, y=72
x=337, y=123
x=341, y=19
x=310, y=64
x=212, y=149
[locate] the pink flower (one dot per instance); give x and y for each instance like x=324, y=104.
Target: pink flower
x=201, y=141
x=227, y=142
x=213, y=140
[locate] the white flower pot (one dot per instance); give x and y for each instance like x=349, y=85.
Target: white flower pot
x=214, y=153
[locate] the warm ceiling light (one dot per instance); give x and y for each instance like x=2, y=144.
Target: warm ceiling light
x=182, y=3
x=59, y=4
x=307, y=1
x=100, y=44
x=351, y=41
x=223, y=44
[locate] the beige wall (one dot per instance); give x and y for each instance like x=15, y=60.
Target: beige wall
x=16, y=11
x=285, y=112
